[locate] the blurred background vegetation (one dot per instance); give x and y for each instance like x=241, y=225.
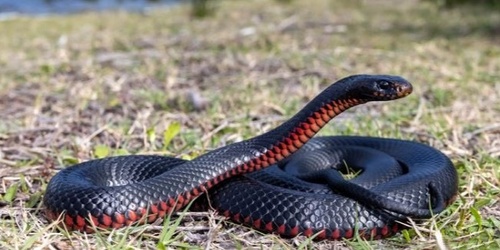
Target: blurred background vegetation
x=204, y=8
x=454, y=3
x=199, y=8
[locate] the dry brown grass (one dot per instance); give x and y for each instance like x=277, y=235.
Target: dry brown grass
x=112, y=83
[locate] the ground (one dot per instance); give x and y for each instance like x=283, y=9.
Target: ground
x=79, y=87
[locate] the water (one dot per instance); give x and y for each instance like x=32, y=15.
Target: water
x=43, y=7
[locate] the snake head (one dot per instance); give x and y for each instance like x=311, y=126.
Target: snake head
x=382, y=87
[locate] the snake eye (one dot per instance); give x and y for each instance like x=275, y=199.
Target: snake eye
x=384, y=85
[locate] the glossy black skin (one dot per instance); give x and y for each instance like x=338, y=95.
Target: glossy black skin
x=401, y=171
x=122, y=187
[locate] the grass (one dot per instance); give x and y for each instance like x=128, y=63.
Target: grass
x=74, y=88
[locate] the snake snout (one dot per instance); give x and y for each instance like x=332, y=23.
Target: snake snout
x=403, y=89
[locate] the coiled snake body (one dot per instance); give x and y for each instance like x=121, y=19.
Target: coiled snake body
x=280, y=181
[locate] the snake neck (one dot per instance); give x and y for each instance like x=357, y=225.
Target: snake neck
x=271, y=147
x=294, y=133
x=279, y=143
